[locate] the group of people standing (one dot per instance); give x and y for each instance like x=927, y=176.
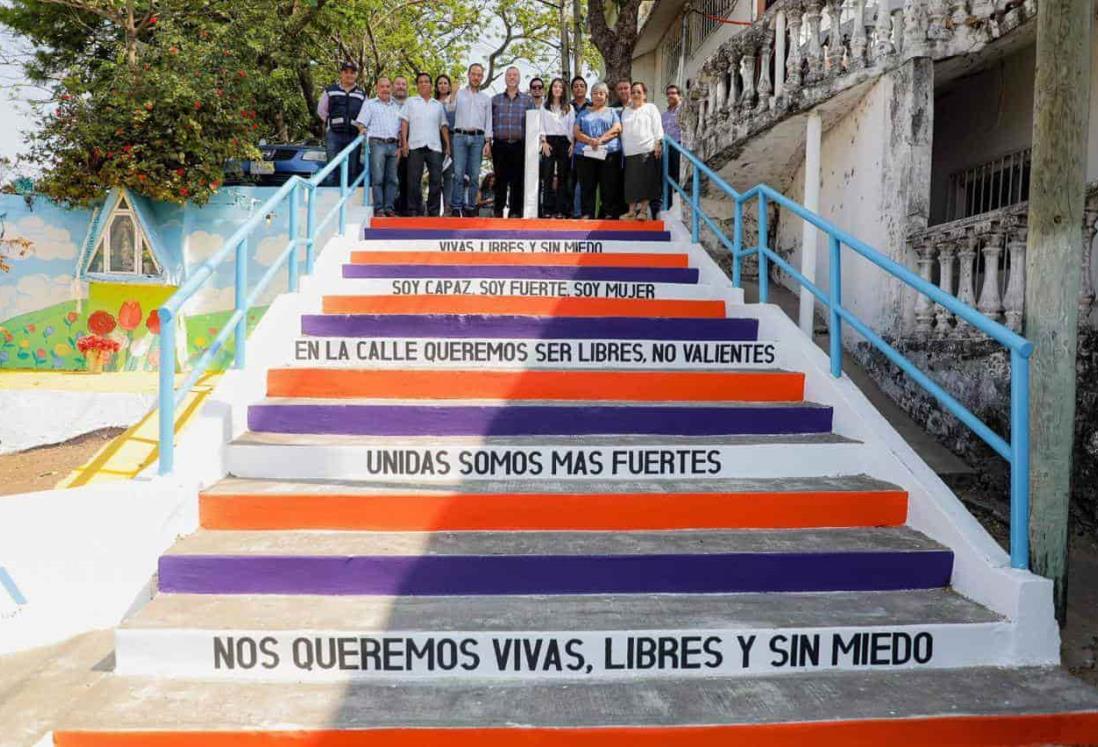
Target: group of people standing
x=600, y=157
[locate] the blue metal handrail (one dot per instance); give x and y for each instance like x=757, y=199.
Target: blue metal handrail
x=171, y=397
x=1015, y=451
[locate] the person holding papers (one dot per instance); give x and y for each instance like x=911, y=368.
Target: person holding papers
x=598, y=155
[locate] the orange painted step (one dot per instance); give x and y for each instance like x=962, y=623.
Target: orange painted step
x=456, y=512
x=516, y=224
x=524, y=306
x=512, y=259
x=624, y=386
x=940, y=731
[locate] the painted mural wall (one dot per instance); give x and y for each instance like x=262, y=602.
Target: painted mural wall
x=55, y=315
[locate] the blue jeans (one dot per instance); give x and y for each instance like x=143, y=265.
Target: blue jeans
x=383, y=174
x=468, y=152
x=334, y=143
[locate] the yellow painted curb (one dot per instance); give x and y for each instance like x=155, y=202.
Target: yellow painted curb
x=138, y=447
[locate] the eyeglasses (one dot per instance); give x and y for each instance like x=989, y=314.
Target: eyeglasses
x=537, y=88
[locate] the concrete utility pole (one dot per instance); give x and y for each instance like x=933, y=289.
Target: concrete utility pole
x=812, y=136
x=1057, y=191
x=577, y=38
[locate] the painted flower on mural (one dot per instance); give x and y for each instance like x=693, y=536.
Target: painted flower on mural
x=71, y=318
x=153, y=322
x=30, y=329
x=101, y=323
x=129, y=315
x=61, y=350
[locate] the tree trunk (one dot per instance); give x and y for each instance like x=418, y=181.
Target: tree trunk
x=616, y=45
x=308, y=94
x=1057, y=194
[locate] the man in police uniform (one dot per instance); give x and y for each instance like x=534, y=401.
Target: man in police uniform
x=339, y=106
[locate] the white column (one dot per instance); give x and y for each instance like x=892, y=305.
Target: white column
x=779, y=55
x=808, y=231
x=532, y=160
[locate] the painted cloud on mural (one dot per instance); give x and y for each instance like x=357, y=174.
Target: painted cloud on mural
x=32, y=292
x=51, y=242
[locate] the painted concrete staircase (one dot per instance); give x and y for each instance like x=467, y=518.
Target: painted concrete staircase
x=547, y=485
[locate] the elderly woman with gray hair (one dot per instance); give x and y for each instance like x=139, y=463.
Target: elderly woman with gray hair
x=598, y=155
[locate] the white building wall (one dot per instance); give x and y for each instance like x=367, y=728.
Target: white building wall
x=852, y=192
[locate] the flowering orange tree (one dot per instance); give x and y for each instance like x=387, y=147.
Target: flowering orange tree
x=164, y=126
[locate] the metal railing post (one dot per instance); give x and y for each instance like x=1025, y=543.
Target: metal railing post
x=1019, y=460
x=737, y=244
x=665, y=167
x=310, y=231
x=764, y=280
x=695, y=191
x=835, y=321
x=241, y=301
x=343, y=196
x=292, y=261
x=366, y=173
x=166, y=395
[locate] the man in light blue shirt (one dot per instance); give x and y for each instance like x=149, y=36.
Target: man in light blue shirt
x=379, y=120
x=471, y=137
x=424, y=140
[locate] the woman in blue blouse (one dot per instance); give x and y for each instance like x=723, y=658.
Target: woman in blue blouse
x=598, y=130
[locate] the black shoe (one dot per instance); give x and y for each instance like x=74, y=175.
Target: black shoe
x=497, y=215
x=388, y=213
x=455, y=213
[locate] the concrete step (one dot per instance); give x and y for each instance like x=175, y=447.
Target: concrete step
x=981, y=706
x=540, y=224
x=619, y=386
x=512, y=326
x=235, y=503
x=531, y=261
x=535, y=418
x=502, y=234
x=548, y=637
x=545, y=272
x=528, y=306
x=544, y=459
x=487, y=563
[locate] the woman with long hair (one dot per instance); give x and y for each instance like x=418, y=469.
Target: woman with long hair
x=444, y=95
x=642, y=143
x=598, y=160
x=557, y=121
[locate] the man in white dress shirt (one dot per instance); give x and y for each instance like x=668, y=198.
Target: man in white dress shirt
x=424, y=140
x=471, y=141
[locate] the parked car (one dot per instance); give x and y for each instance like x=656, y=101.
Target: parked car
x=279, y=163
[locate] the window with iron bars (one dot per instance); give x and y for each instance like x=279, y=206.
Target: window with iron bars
x=671, y=51
x=998, y=183
x=702, y=24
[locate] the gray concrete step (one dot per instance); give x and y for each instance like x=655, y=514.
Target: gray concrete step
x=693, y=542
x=258, y=486
x=370, y=614
x=125, y=704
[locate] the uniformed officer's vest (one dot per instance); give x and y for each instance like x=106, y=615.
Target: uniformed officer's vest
x=343, y=107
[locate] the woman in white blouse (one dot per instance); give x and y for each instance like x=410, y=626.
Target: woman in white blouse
x=642, y=143
x=557, y=119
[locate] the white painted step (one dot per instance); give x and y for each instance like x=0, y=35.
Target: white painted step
x=555, y=637
x=531, y=354
x=541, y=459
x=513, y=246
x=518, y=287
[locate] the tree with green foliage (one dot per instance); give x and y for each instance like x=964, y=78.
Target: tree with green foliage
x=157, y=95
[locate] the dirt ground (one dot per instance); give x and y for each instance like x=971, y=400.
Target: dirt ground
x=42, y=467
x=1079, y=637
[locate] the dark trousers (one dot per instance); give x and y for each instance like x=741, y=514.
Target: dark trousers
x=417, y=159
x=603, y=177
x=555, y=168
x=333, y=144
x=400, y=204
x=673, y=172
x=507, y=161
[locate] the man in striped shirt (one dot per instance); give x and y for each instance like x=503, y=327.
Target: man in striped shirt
x=509, y=144
x=379, y=120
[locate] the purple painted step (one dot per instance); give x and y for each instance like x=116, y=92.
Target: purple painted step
x=527, y=327
x=404, y=234
x=613, y=274
x=535, y=420
x=557, y=574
